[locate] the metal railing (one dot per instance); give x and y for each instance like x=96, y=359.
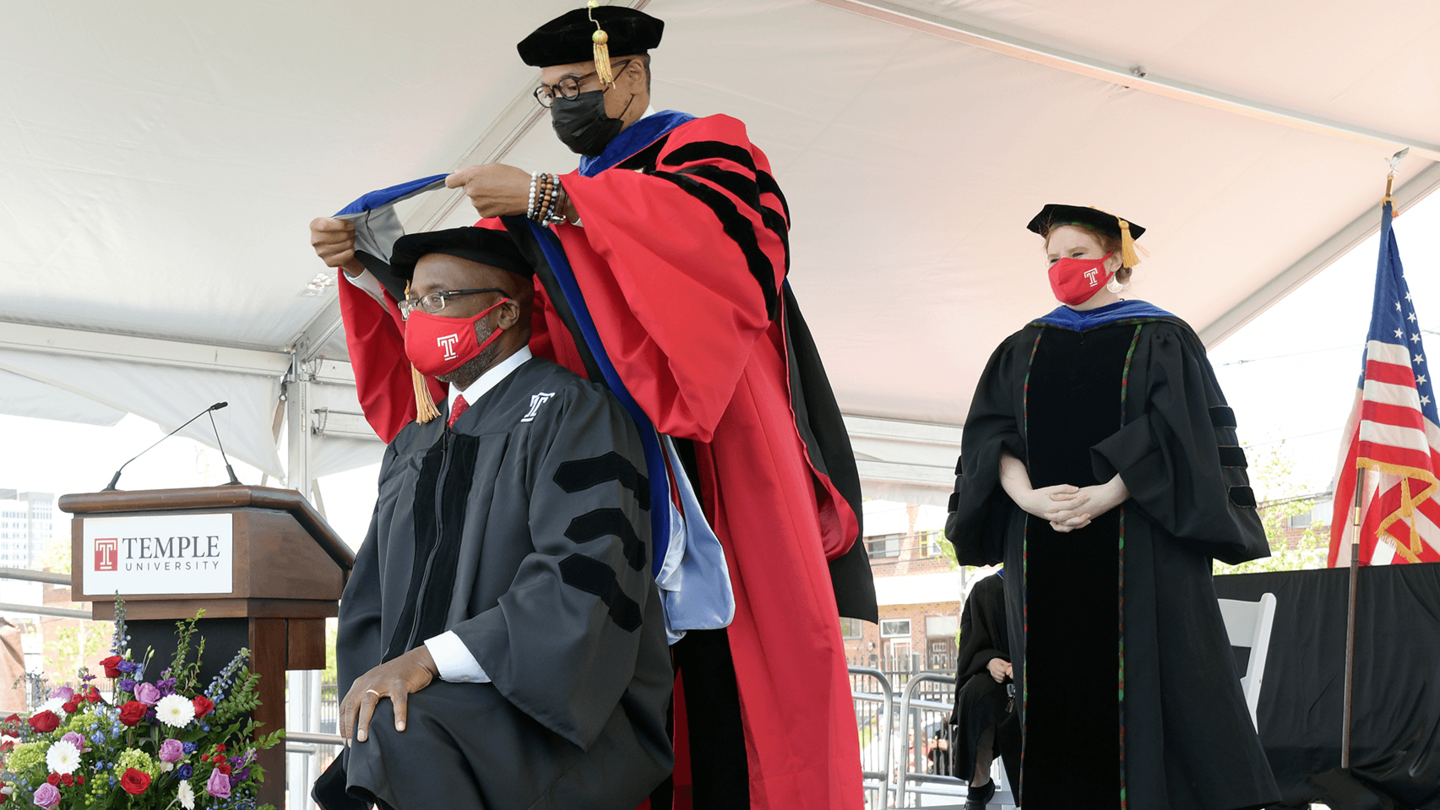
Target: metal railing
x=49, y=578
x=920, y=708
x=874, y=719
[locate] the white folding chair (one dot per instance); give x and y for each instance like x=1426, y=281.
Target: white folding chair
x=1248, y=624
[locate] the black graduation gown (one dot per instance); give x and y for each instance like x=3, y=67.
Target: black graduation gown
x=1134, y=700
x=524, y=530
x=980, y=702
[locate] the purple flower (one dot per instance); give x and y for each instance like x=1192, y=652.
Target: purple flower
x=218, y=786
x=127, y=666
x=171, y=751
x=75, y=739
x=125, y=685
x=48, y=796
x=190, y=747
x=240, y=776
x=185, y=771
x=147, y=693
x=62, y=692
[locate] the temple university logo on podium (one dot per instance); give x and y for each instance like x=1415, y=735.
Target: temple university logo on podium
x=159, y=554
x=107, y=553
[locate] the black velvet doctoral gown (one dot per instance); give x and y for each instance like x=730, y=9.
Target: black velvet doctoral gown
x=524, y=530
x=1129, y=692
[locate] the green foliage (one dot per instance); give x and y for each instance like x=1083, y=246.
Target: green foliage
x=71, y=647
x=187, y=675
x=1273, y=471
x=244, y=698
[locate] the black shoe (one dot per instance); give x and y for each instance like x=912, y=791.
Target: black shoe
x=980, y=796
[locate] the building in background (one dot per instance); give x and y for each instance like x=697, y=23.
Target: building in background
x=26, y=525
x=918, y=587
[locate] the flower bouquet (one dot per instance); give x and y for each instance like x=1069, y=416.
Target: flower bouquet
x=145, y=743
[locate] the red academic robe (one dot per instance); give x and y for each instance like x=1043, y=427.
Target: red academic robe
x=681, y=259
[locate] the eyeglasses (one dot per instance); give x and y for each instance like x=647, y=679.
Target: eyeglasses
x=569, y=87
x=433, y=303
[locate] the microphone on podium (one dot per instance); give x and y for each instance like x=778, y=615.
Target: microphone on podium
x=217, y=406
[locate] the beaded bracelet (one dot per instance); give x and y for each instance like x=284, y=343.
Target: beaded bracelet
x=530, y=210
x=553, y=216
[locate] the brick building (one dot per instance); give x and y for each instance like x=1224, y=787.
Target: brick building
x=919, y=590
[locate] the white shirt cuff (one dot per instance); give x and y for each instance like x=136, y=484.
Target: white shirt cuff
x=366, y=281
x=454, y=660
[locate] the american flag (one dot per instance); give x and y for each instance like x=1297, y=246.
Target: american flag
x=1393, y=433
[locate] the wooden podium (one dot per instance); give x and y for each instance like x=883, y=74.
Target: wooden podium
x=265, y=566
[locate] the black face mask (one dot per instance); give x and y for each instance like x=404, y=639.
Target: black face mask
x=582, y=125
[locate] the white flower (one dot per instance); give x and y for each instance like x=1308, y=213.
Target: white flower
x=175, y=711
x=187, y=795
x=63, y=757
x=166, y=767
x=56, y=705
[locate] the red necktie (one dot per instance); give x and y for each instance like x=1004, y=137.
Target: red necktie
x=460, y=407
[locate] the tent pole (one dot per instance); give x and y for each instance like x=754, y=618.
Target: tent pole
x=1350, y=622
x=297, y=414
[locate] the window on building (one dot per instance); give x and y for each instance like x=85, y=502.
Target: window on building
x=851, y=628
x=883, y=546
x=941, y=626
x=930, y=543
x=1300, y=521
x=891, y=628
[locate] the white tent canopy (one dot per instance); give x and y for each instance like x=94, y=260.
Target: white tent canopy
x=159, y=164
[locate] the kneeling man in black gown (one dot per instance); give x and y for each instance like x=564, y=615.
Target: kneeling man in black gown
x=501, y=641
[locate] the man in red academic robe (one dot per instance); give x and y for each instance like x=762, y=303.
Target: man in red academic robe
x=676, y=236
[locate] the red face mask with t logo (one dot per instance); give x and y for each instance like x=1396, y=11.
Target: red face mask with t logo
x=437, y=345
x=1074, y=281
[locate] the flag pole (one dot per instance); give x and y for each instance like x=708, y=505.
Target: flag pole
x=1350, y=621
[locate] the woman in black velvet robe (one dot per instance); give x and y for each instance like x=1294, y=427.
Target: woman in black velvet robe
x=984, y=717
x=1100, y=463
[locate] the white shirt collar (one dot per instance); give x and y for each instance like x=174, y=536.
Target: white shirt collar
x=491, y=377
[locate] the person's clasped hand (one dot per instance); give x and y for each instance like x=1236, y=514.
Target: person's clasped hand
x=1000, y=669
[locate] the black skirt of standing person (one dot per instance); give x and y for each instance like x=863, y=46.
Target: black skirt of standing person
x=981, y=703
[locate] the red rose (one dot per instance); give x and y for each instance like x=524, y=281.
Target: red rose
x=70, y=706
x=93, y=696
x=79, y=780
x=224, y=768
x=67, y=780
x=133, y=712
x=110, y=666
x=135, y=782
x=14, y=718
x=218, y=758
x=203, y=706
x=220, y=748
x=53, y=779
x=44, y=722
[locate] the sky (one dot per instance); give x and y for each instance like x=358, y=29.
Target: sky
x=1290, y=374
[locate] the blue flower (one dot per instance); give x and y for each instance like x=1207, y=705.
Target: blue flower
x=190, y=747
x=97, y=738
x=125, y=685
x=185, y=771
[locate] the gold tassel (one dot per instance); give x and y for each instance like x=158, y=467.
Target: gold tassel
x=602, y=48
x=425, y=409
x=1128, y=256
